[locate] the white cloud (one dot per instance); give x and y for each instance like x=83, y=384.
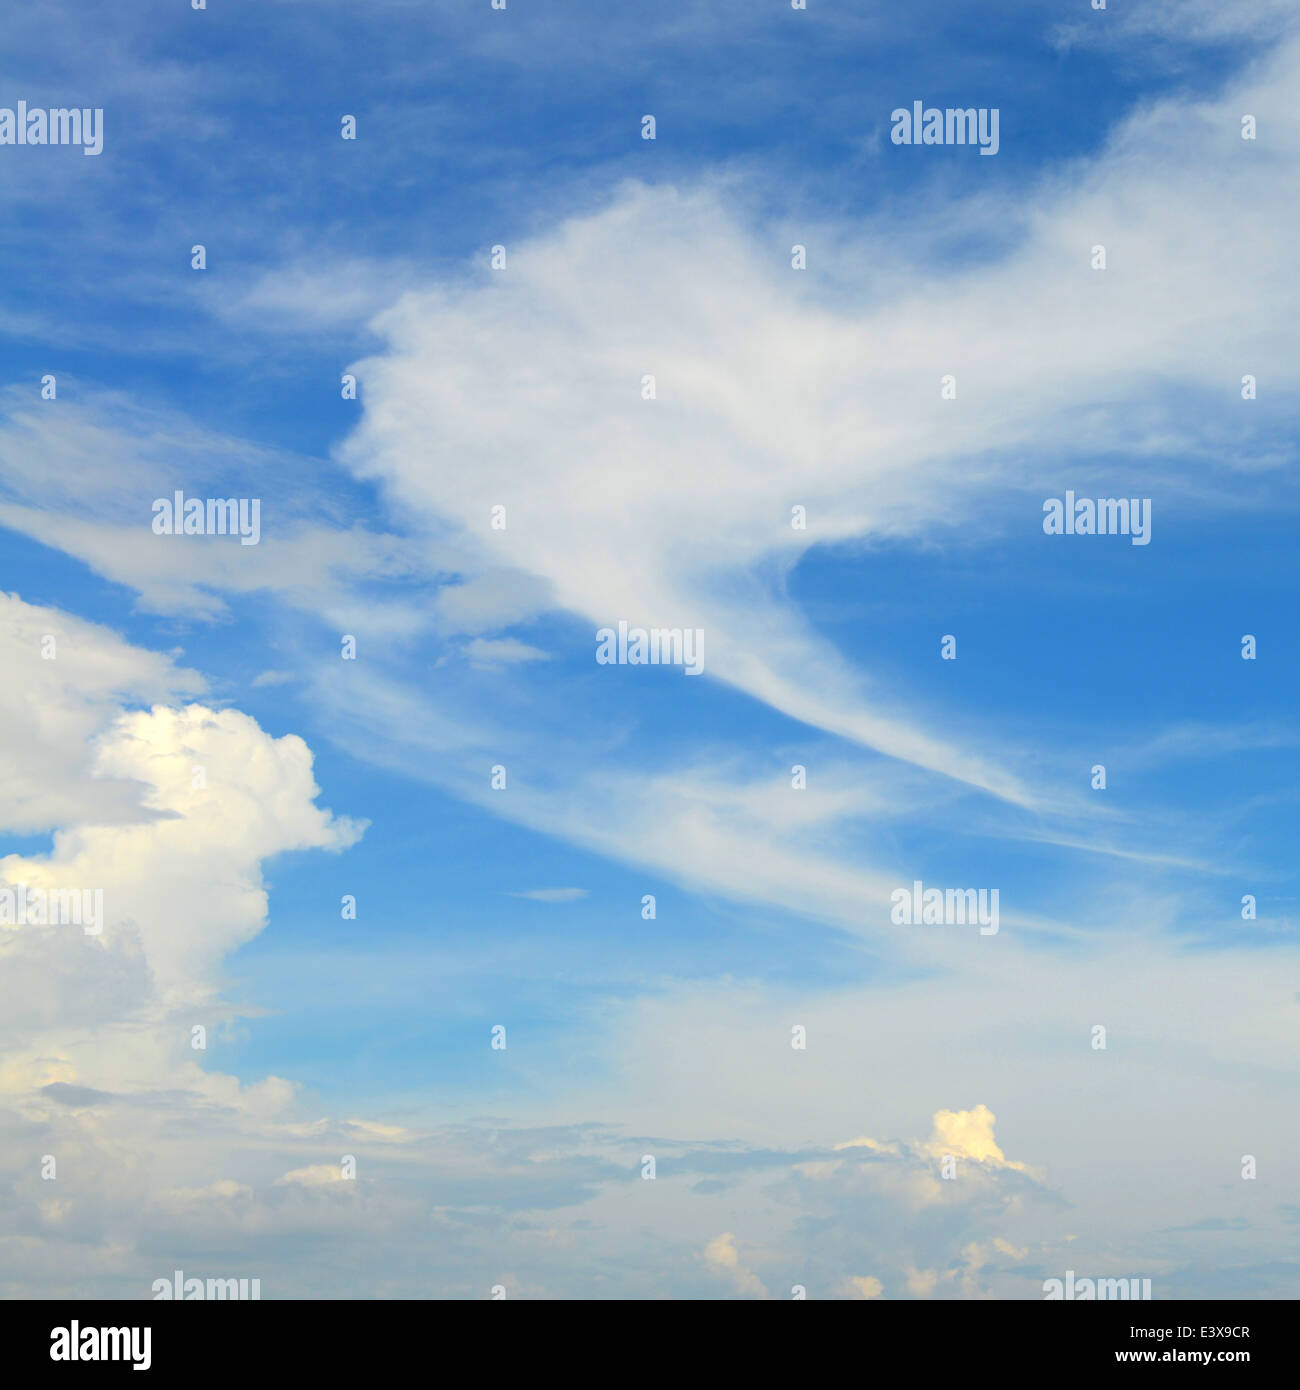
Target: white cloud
x=721, y=1254
x=96, y=1067
x=67, y=679
x=317, y=1175
x=218, y=797
x=502, y=651
x=777, y=389
x=773, y=391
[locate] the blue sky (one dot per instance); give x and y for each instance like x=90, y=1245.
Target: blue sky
x=776, y=388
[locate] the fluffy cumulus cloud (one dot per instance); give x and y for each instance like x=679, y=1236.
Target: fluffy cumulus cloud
x=125, y=1156
x=67, y=681
x=720, y=1254
x=166, y=814
x=217, y=796
x=957, y=1134
x=161, y=1161
x=125, y=1153
x=926, y=1228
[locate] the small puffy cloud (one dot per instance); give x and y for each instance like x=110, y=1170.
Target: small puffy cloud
x=552, y=895
x=384, y=1134
x=502, y=651
x=720, y=1254
x=968, y=1134
x=316, y=1175
x=930, y=1235
x=956, y=1133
